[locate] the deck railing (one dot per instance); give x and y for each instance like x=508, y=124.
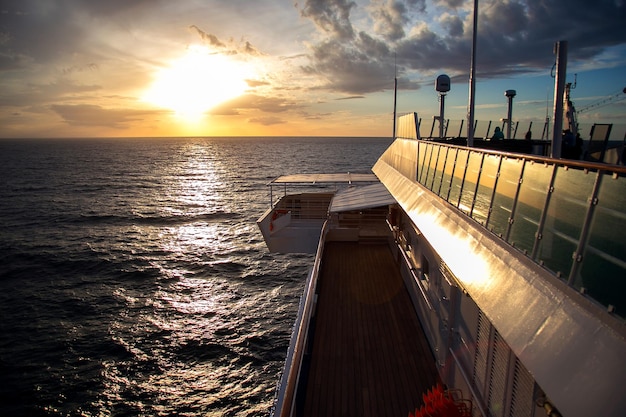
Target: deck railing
x=539, y=129
x=286, y=395
x=565, y=215
x=306, y=206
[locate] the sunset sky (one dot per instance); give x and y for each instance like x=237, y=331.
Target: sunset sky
x=82, y=68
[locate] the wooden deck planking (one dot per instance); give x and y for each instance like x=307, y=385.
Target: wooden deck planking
x=370, y=357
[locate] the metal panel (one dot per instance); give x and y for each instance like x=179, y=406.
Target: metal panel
x=367, y=196
x=522, y=392
x=498, y=375
x=482, y=352
x=347, y=178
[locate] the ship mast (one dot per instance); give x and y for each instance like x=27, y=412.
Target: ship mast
x=395, y=96
x=472, y=81
x=560, y=49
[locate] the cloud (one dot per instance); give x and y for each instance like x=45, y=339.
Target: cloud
x=514, y=37
x=41, y=32
x=212, y=40
x=249, y=102
x=350, y=98
x=331, y=16
x=57, y=90
x=245, y=47
x=267, y=120
x=453, y=25
x=452, y=4
x=92, y=115
x=364, y=65
x=257, y=83
x=390, y=16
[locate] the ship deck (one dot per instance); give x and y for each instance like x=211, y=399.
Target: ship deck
x=370, y=356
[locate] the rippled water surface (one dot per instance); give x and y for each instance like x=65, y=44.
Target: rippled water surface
x=133, y=279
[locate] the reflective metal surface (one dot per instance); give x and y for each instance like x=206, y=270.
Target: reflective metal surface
x=540, y=212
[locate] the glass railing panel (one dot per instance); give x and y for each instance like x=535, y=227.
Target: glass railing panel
x=546, y=224
x=431, y=166
x=454, y=129
x=482, y=202
x=564, y=219
x=603, y=271
x=405, y=127
x=457, y=177
x=472, y=173
x=481, y=129
x=506, y=188
x=401, y=156
x=530, y=204
x=441, y=162
x=408, y=156
x=425, y=126
x=448, y=173
x=424, y=152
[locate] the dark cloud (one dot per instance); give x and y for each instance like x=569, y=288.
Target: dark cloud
x=40, y=32
x=212, y=40
x=230, y=48
x=111, y=8
x=453, y=26
x=331, y=16
x=30, y=27
x=452, y=4
x=267, y=120
x=257, y=83
x=248, y=102
x=390, y=16
x=59, y=90
x=362, y=66
x=514, y=37
x=350, y=98
x=91, y=115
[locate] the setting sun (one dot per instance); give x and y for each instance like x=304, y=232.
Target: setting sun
x=197, y=82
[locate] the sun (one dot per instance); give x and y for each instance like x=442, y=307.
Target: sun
x=197, y=82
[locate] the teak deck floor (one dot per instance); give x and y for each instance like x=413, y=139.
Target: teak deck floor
x=370, y=356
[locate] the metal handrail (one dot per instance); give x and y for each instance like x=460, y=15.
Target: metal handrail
x=427, y=128
x=286, y=394
x=529, y=218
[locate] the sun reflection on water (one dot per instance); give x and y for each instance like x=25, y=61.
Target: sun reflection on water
x=192, y=338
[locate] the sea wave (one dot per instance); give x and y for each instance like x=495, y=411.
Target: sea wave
x=156, y=219
x=133, y=280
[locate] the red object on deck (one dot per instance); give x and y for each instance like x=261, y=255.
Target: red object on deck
x=439, y=402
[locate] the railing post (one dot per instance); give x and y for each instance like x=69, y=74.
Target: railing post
x=584, y=233
x=456, y=155
x=417, y=123
x=514, y=206
x=443, y=170
x=493, y=192
x=480, y=171
x=430, y=159
x=432, y=183
x=463, y=180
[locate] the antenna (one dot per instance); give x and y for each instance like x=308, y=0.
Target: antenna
x=614, y=98
x=395, y=93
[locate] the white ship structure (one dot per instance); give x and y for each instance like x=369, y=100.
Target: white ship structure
x=456, y=281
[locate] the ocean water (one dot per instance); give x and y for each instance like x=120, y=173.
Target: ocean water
x=133, y=279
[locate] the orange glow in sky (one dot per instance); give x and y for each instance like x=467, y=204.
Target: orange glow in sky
x=306, y=68
x=197, y=82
